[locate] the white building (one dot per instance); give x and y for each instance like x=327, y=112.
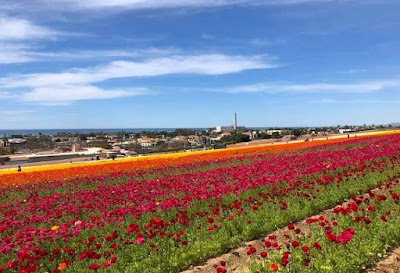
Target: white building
x=270, y=132
x=220, y=129
x=342, y=131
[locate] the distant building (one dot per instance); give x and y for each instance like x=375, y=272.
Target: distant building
x=230, y=128
x=270, y=132
x=342, y=131
x=75, y=147
x=194, y=140
x=220, y=129
x=147, y=142
x=2, y=143
x=16, y=142
x=179, y=138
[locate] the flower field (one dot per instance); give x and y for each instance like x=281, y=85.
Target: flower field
x=165, y=213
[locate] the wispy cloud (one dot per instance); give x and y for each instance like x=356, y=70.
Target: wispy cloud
x=352, y=71
x=212, y=64
x=14, y=113
x=65, y=95
x=16, y=29
x=274, y=88
x=207, y=36
x=327, y=101
x=6, y=95
x=79, y=83
x=18, y=38
x=154, y=4
x=266, y=42
x=20, y=53
x=13, y=54
x=357, y=101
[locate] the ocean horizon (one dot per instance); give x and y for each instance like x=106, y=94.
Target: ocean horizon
x=9, y=132
x=26, y=132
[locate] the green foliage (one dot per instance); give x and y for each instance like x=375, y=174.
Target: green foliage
x=39, y=142
x=235, y=137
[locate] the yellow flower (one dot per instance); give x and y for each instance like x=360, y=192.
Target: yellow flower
x=54, y=227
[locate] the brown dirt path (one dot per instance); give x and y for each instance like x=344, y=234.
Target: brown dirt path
x=389, y=264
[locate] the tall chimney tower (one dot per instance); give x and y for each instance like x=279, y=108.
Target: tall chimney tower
x=235, y=124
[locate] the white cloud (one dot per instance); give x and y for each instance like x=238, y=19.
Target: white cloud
x=266, y=42
x=274, y=88
x=352, y=71
x=207, y=36
x=14, y=53
x=154, y=4
x=211, y=64
x=65, y=95
x=16, y=29
x=328, y=101
x=357, y=101
x=14, y=113
x=20, y=53
x=6, y=95
x=77, y=84
x=17, y=37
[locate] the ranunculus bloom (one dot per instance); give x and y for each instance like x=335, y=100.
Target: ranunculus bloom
x=94, y=267
x=251, y=250
x=263, y=254
x=62, y=266
x=344, y=238
x=305, y=248
x=273, y=267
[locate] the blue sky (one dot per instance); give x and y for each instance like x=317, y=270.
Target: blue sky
x=193, y=63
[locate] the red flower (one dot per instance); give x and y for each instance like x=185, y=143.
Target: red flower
x=140, y=239
x=295, y=244
x=331, y=237
x=284, y=261
x=263, y=254
x=317, y=246
x=381, y=197
x=94, y=267
x=251, y=250
x=305, y=248
x=344, y=238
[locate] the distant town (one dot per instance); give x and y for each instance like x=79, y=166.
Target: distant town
x=74, y=147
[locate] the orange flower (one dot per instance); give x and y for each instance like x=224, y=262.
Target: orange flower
x=62, y=266
x=273, y=267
